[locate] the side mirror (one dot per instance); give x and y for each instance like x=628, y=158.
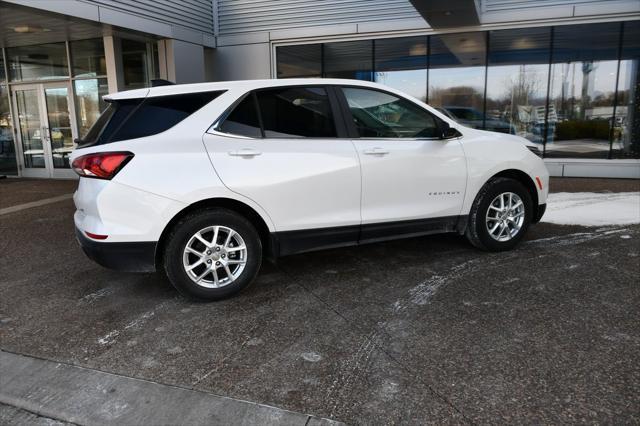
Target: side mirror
x=448, y=132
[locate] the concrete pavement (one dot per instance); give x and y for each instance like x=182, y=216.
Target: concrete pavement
x=425, y=330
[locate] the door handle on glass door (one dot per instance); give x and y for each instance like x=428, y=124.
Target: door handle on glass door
x=245, y=152
x=376, y=151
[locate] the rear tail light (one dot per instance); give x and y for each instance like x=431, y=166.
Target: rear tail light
x=101, y=165
x=96, y=236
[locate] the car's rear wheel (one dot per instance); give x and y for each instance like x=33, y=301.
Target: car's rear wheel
x=212, y=254
x=500, y=215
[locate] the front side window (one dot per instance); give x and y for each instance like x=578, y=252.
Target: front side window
x=294, y=112
x=382, y=115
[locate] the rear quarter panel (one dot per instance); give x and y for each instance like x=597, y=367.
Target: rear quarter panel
x=172, y=167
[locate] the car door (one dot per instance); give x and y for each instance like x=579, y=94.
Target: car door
x=413, y=180
x=280, y=147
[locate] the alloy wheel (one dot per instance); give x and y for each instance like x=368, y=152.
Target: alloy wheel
x=505, y=216
x=215, y=256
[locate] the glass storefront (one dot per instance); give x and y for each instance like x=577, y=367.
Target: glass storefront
x=301, y=61
x=56, y=96
x=517, y=77
x=139, y=63
x=627, y=114
x=41, y=62
x=88, y=102
x=582, y=90
x=457, y=75
x=8, y=165
x=402, y=63
x=349, y=59
x=87, y=57
x=573, y=89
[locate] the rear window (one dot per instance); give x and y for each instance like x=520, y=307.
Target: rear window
x=136, y=118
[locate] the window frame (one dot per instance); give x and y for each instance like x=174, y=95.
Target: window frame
x=353, y=130
x=334, y=103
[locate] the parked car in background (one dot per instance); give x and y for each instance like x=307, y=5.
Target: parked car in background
x=202, y=181
x=473, y=118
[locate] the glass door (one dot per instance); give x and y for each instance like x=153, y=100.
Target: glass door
x=45, y=129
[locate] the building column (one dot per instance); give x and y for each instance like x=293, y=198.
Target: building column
x=113, y=58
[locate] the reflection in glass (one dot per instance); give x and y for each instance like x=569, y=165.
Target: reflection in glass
x=456, y=76
x=2, y=74
x=582, y=91
x=626, y=132
x=7, y=151
x=401, y=63
x=87, y=57
x=304, y=60
x=155, y=61
x=137, y=64
x=89, y=103
x=60, y=134
x=41, y=62
x=517, y=82
x=31, y=130
x=349, y=59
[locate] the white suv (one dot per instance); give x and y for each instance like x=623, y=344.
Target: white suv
x=202, y=181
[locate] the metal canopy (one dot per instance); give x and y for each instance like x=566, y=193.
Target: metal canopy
x=448, y=13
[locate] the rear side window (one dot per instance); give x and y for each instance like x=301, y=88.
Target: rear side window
x=284, y=112
x=136, y=118
x=243, y=120
x=296, y=112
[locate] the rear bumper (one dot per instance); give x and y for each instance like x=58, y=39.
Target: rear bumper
x=129, y=257
x=540, y=212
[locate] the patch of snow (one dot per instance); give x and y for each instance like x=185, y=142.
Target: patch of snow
x=593, y=209
x=311, y=356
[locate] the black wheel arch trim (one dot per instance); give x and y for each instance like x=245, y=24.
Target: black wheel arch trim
x=529, y=184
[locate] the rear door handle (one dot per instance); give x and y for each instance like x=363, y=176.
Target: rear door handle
x=245, y=152
x=376, y=151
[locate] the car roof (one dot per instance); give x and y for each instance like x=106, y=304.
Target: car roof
x=246, y=85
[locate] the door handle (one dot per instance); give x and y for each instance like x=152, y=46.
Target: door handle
x=376, y=151
x=245, y=152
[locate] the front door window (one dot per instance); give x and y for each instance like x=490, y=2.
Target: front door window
x=378, y=114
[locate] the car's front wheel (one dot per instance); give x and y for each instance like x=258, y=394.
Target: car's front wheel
x=212, y=254
x=500, y=215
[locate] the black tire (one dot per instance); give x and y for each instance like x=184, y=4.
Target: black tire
x=187, y=227
x=477, y=231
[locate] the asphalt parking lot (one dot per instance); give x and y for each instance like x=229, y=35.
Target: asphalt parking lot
x=425, y=330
